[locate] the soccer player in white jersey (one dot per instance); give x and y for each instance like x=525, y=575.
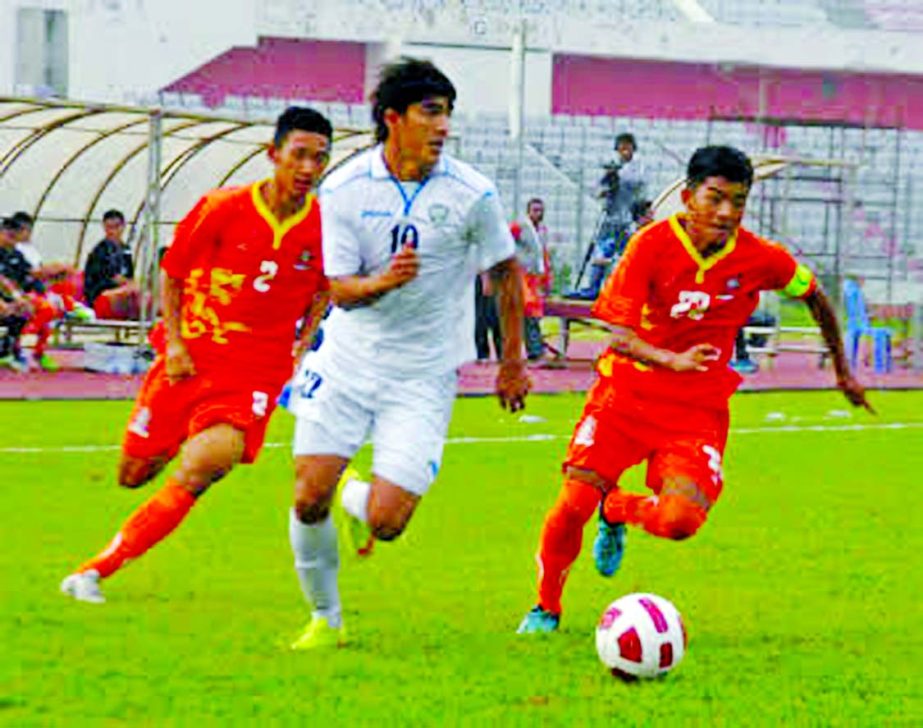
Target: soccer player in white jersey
x=406, y=228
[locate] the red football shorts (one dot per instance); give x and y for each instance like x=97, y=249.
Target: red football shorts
x=166, y=415
x=618, y=430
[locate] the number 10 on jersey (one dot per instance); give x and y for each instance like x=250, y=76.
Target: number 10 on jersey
x=404, y=234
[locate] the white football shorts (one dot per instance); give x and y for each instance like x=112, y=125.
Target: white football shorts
x=406, y=420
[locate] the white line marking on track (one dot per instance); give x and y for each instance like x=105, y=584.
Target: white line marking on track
x=513, y=438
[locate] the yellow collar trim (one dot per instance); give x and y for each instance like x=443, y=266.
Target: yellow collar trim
x=279, y=229
x=703, y=263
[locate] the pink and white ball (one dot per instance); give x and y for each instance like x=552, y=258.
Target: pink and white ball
x=640, y=636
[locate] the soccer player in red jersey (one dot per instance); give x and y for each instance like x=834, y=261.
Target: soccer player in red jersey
x=244, y=268
x=675, y=303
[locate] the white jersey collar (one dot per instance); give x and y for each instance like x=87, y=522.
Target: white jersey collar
x=380, y=169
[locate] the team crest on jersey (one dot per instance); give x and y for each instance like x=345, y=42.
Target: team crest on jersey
x=438, y=213
x=692, y=304
x=304, y=260
x=140, y=422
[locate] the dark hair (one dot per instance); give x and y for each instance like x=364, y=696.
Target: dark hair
x=639, y=208
x=626, y=137
x=719, y=161
x=532, y=201
x=23, y=219
x=301, y=118
x=405, y=82
x=9, y=223
x=113, y=215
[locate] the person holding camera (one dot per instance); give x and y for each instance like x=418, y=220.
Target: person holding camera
x=622, y=186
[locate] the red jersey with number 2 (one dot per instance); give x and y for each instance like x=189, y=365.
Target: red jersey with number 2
x=248, y=281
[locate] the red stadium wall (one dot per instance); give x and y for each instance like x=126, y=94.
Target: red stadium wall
x=282, y=68
x=656, y=89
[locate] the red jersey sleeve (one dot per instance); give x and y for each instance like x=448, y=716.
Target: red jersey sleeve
x=193, y=232
x=628, y=287
x=784, y=273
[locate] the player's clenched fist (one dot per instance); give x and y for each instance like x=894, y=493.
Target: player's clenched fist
x=513, y=385
x=695, y=359
x=404, y=266
x=178, y=363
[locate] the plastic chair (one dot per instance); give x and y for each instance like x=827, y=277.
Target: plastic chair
x=881, y=341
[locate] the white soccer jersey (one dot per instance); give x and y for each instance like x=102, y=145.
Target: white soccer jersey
x=454, y=220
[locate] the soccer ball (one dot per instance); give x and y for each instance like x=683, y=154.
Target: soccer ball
x=640, y=636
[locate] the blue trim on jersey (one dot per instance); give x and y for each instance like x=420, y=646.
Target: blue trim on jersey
x=460, y=181
x=361, y=175
x=408, y=201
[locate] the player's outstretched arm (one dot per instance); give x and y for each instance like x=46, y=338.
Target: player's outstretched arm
x=357, y=291
x=822, y=311
x=512, y=379
x=177, y=360
x=695, y=359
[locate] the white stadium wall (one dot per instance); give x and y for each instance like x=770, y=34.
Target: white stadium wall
x=482, y=77
x=123, y=49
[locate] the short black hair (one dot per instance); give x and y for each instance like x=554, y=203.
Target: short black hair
x=626, y=137
x=113, y=215
x=301, y=118
x=533, y=200
x=24, y=219
x=10, y=224
x=405, y=82
x=639, y=208
x=719, y=161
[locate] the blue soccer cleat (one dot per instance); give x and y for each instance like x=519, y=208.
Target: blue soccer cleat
x=539, y=621
x=609, y=546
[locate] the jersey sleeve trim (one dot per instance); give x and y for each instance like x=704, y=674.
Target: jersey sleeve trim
x=802, y=284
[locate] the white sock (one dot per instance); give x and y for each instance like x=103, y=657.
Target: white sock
x=317, y=562
x=355, y=499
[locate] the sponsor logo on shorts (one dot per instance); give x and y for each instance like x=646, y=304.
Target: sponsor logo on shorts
x=140, y=422
x=586, y=433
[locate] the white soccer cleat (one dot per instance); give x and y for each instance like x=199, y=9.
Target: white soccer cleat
x=84, y=587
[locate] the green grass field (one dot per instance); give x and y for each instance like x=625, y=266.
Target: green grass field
x=801, y=595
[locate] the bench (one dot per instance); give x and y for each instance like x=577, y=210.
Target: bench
x=122, y=331
x=795, y=339
x=569, y=311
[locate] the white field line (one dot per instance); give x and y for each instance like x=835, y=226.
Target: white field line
x=784, y=429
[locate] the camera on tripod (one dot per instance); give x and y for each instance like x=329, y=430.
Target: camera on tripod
x=609, y=183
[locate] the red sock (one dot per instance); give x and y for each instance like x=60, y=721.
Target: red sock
x=562, y=537
x=668, y=516
x=151, y=522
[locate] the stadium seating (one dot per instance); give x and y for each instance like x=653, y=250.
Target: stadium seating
x=902, y=15
x=766, y=12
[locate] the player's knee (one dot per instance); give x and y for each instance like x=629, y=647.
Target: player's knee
x=578, y=500
x=135, y=472
x=210, y=456
x=386, y=527
x=679, y=518
x=310, y=511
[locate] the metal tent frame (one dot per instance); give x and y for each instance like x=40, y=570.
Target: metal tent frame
x=66, y=162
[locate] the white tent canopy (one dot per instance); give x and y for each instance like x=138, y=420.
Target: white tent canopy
x=67, y=163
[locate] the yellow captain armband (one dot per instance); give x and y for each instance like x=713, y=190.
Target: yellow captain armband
x=801, y=283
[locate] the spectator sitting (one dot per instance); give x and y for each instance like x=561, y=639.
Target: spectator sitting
x=59, y=279
x=108, y=274
x=23, y=235
x=15, y=307
x=532, y=254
